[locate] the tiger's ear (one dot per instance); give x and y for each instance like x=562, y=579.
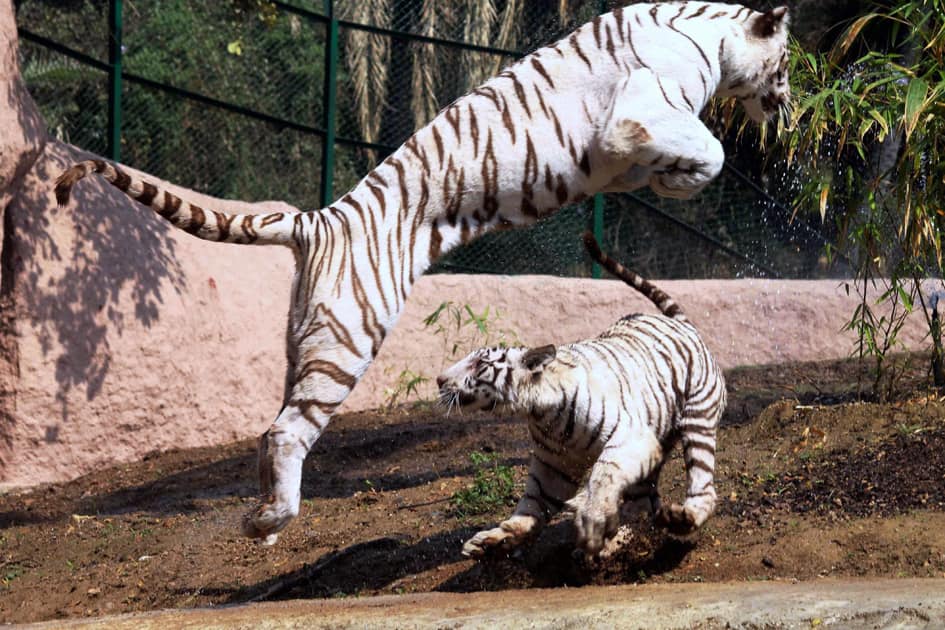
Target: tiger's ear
x=769, y=23
x=535, y=359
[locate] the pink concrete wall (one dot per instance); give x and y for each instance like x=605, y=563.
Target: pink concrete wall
x=131, y=335
x=744, y=322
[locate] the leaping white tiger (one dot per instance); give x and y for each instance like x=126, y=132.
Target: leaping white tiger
x=614, y=406
x=614, y=106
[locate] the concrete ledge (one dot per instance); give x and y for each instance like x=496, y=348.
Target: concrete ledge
x=912, y=603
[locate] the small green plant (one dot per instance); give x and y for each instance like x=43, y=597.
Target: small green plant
x=406, y=386
x=140, y=534
x=492, y=488
x=462, y=329
x=108, y=529
x=806, y=456
x=12, y=572
x=906, y=430
x=878, y=325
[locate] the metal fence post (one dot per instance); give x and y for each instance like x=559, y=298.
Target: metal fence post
x=598, y=227
x=114, y=79
x=331, y=80
x=598, y=221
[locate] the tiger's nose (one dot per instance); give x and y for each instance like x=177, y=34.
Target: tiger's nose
x=440, y=381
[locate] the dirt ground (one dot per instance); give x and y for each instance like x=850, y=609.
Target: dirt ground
x=812, y=484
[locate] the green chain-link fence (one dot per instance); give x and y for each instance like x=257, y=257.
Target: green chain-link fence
x=254, y=99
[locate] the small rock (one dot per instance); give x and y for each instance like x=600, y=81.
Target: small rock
x=94, y=591
x=767, y=562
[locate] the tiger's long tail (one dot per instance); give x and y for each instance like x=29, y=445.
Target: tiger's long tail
x=667, y=306
x=211, y=225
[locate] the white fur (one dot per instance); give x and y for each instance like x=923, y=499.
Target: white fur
x=592, y=109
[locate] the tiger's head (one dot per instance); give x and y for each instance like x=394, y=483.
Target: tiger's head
x=492, y=377
x=755, y=66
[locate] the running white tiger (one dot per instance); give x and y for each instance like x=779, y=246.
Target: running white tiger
x=614, y=406
x=612, y=107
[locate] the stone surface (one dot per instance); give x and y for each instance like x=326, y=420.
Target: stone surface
x=22, y=137
x=886, y=603
x=22, y=131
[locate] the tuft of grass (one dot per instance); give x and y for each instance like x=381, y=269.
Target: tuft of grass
x=11, y=572
x=492, y=487
x=904, y=429
x=462, y=329
x=406, y=386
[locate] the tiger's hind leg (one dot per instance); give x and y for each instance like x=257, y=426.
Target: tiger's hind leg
x=546, y=492
x=324, y=365
x=698, y=442
x=643, y=496
x=266, y=462
x=282, y=449
x=639, y=498
x=630, y=457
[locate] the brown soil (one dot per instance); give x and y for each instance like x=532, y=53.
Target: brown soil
x=811, y=484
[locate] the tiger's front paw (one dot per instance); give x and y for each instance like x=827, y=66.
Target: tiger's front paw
x=594, y=528
x=267, y=520
x=677, y=184
x=478, y=545
x=508, y=535
x=676, y=519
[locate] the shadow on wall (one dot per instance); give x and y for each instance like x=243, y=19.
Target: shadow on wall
x=75, y=265
x=30, y=128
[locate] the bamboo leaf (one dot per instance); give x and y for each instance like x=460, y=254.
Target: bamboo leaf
x=824, y=194
x=882, y=122
x=849, y=36
x=915, y=104
x=425, y=69
x=905, y=297
x=811, y=61
x=875, y=84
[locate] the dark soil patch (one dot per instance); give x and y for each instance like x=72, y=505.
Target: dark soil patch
x=903, y=474
x=807, y=489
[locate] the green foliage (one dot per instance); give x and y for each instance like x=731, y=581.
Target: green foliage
x=244, y=52
x=405, y=387
x=868, y=138
x=10, y=572
x=462, y=329
x=492, y=487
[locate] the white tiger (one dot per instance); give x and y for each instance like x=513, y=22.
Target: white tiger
x=614, y=106
x=614, y=406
